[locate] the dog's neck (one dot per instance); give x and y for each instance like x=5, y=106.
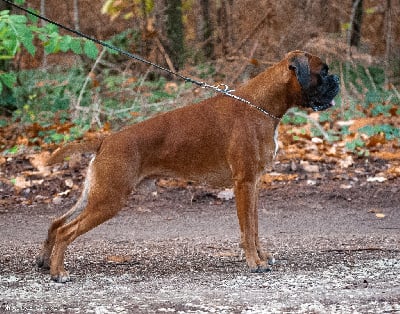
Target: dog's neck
x=275, y=98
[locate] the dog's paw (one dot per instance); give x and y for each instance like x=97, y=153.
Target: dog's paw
x=268, y=257
x=62, y=277
x=42, y=262
x=271, y=260
x=260, y=269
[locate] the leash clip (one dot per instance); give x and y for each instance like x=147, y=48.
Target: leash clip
x=225, y=88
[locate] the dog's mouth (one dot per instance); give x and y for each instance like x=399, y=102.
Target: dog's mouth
x=322, y=97
x=321, y=107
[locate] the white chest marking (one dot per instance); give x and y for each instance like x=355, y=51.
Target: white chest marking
x=276, y=141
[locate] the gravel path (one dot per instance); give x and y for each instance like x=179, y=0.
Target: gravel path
x=164, y=253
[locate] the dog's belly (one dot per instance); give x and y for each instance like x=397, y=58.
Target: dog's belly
x=221, y=177
x=215, y=179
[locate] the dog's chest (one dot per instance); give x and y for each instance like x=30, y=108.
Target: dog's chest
x=276, y=134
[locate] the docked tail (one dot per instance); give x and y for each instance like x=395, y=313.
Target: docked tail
x=87, y=146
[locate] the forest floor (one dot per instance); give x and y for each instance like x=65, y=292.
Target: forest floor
x=335, y=233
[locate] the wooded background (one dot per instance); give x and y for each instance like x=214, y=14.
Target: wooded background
x=230, y=32
x=53, y=98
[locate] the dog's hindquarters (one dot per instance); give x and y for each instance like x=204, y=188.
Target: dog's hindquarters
x=43, y=260
x=92, y=208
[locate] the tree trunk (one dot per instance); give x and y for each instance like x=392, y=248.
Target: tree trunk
x=76, y=14
x=175, y=32
x=356, y=23
x=206, y=29
x=225, y=26
x=388, y=39
x=43, y=24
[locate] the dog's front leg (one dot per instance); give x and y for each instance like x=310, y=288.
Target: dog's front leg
x=264, y=255
x=246, y=196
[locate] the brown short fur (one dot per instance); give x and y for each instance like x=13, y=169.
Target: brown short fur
x=220, y=141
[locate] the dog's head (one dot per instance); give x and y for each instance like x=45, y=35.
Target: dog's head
x=318, y=88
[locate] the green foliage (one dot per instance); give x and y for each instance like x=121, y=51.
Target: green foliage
x=52, y=136
x=13, y=150
x=205, y=70
x=391, y=132
x=357, y=146
x=125, y=40
x=6, y=79
x=292, y=118
x=381, y=109
x=18, y=31
x=42, y=94
x=44, y=97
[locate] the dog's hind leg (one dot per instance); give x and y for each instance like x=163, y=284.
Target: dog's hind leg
x=99, y=209
x=110, y=187
x=43, y=259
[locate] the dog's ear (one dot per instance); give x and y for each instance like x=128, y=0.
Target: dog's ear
x=299, y=64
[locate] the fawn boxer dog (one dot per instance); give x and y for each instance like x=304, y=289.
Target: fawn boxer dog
x=220, y=141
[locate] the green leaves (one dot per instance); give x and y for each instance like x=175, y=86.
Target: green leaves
x=90, y=49
x=389, y=131
x=17, y=31
x=54, y=42
x=65, y=43
x=17, y=19
x=6, y=79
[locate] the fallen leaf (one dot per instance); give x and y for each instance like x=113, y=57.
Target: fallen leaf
x=226, y=195
x=57, y=200
x=345, y=123
x=130, y=81
x=65, y=193
x=376, y=179
x=380, y=215
x=141, y=209
x=278, y=177
x=393, y=171
x=347, y=162
x=307, y=167
x=375, y=210
x=39, y=162
x=37, y=182
x=386, y=155
x=75, y=161
x=171, y=87
x=377, y=139
x=118, y=259
x=172, y=183
x=69, y=183
x=21, y=183
x=317, y=140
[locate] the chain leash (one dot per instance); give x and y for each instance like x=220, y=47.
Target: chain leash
x=217, y=88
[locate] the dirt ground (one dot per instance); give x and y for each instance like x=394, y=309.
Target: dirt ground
x=175, y=249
